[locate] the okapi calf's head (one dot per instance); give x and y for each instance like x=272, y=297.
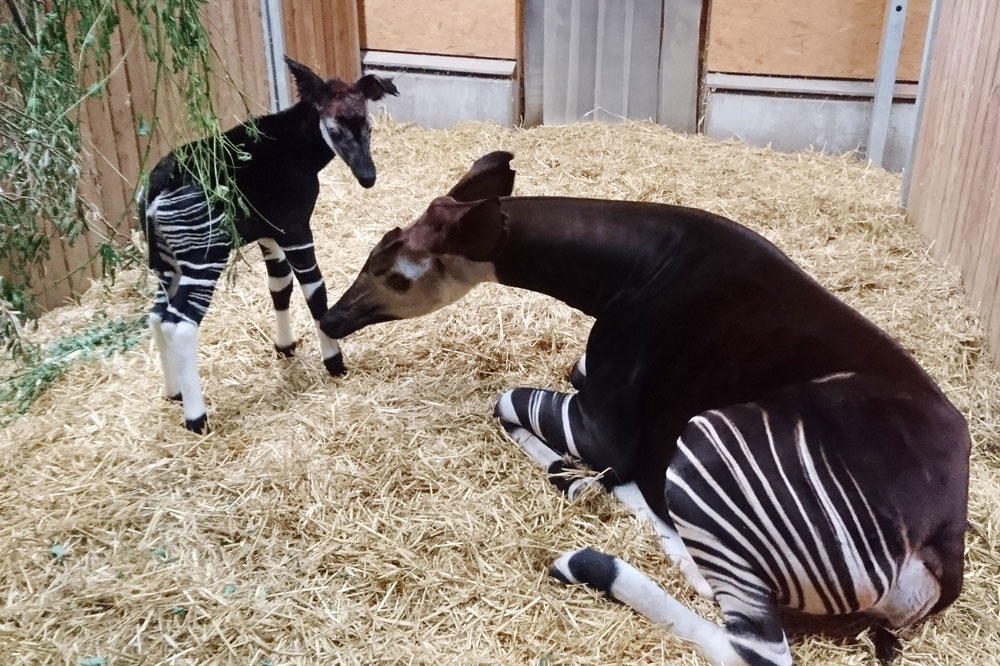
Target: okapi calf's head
x=343, y=114
x=435, y=260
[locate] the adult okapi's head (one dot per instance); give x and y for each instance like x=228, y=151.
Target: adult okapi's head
x=434, y=261
x=343, y=114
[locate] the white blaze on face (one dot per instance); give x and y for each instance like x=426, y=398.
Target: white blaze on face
x=412, y=269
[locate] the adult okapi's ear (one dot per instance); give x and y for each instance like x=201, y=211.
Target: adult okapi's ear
x=472, y=229
x=375, y=87
x=490, y=176
x=311, y=87
x=383, y=255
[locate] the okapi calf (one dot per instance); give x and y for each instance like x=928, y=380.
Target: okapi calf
x=189, y=244
x=790, y=455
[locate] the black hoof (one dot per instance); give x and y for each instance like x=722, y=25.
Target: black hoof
x=886, y=644
x=198, y=425
x=287, y=351
x=175, y=397
x=335, y=365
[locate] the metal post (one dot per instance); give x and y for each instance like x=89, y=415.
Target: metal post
x=925, y=71
x=885, y=78
x=274, y=52
x=678, y=104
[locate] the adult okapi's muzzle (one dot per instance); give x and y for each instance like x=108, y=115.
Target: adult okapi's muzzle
x=355, y=310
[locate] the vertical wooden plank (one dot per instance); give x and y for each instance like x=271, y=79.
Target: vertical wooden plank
x=954, y=198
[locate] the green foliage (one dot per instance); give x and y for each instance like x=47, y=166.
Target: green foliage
x=53, y=55
x=41, y=368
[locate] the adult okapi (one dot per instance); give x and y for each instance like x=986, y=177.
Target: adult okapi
x=789, y=453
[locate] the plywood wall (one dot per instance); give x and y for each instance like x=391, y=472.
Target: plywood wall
x=112, y=144
x=815, y=38
x=484, y=28
x=954, y=195
x=323, y=34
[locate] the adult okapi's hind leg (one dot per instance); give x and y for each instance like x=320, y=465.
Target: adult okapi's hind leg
x=752, y=634
x=548, y=427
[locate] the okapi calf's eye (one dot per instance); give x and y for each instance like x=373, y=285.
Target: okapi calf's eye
x=789, y=454
x=189, y=245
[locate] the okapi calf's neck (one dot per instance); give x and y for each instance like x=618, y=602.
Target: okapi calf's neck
x=789, y=454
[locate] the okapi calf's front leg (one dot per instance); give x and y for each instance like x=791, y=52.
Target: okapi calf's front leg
x=303, y=262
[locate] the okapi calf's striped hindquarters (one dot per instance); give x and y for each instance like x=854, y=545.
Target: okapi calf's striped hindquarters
x=274, y=162
x=790, y=456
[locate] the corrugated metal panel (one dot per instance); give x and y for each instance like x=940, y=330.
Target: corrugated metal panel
x=600, y=59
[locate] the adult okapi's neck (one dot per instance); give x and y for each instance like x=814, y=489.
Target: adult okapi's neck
x=587, y=253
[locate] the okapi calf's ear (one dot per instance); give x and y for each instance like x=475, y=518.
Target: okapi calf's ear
x=311, y=87
x=490, y=176
x=375, y=87
x=471, y=229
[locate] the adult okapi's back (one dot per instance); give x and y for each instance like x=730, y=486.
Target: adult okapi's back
x=789, y=453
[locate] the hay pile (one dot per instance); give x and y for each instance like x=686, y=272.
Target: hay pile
x=382, y=518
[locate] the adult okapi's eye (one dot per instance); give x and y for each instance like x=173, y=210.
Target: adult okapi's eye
x=397, y=282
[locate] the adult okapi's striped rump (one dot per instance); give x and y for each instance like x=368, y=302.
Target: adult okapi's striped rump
x=788, y=453
x=189, y=243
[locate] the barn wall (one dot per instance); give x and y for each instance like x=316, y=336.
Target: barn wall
x=954, y=189
x=485, y=28
x=112, y=144
x=323, y=34
x=817, y=38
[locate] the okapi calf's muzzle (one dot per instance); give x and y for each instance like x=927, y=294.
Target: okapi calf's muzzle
x=789, y=454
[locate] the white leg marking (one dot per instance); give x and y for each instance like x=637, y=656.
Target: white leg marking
x=506, y=408
x=536, y=449
x=171, y=386
x=182, y=338
x=309, y=289
x=274, y=251
x=911, y=596
x=671, y=542
x=634, y=589
x=278, y=283
x=327, y=345
x=567, y=431
x=581, y=365
x=284, y=337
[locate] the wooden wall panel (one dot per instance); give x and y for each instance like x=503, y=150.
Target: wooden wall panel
x=954, y=196
x=817, y=38
x=113, y=148
x=485, y=28
x=324, y=34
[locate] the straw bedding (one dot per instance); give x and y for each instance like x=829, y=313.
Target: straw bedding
x=381, y=518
